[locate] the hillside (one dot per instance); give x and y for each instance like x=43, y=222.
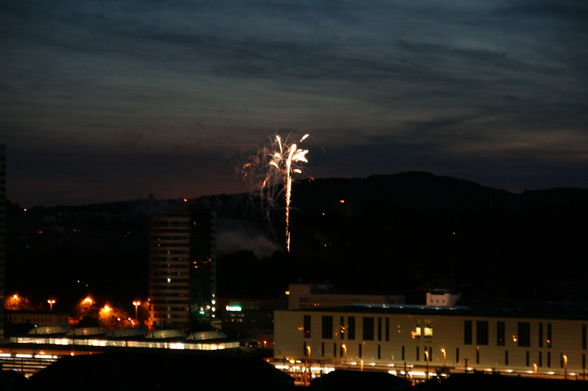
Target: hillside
x=396, y=233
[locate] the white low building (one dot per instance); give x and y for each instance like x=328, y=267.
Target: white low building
x=423, y=339
x=442, y=297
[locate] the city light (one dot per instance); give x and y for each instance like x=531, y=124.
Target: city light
x=16, y=302
x=125, y=343
x=136, y=303
x=88, y=301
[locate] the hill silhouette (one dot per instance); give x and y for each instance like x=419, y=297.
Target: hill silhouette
x=401, y=233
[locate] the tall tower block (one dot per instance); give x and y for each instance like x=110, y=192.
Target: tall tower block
x=182, y=267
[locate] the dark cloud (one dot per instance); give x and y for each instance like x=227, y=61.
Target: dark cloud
x=564, y=11
x=173, y=94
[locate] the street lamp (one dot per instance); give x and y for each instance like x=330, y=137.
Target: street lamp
x=308, y=353
x=87, y=301
x=136, y=303
x=51, y=302
x=427, y=361
x=565, y=362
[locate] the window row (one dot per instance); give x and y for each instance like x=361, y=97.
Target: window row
x=373, y=328
x=522, y=336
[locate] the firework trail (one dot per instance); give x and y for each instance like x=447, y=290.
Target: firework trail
x=276, y=166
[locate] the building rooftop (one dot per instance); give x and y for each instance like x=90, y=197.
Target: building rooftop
x=548, y=310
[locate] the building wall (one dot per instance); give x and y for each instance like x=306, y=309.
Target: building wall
x=203, y=264
x=182, y=267
x=445, y=298
x=37, y=318
x=303, y=296
x=169, y=269
x=249, y=317
x=402, y=344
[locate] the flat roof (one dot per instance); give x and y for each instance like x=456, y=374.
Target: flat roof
x=482, y=311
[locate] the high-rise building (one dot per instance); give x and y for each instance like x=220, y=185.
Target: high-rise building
x=203, y=264
x=182, y=267
x=2, y=234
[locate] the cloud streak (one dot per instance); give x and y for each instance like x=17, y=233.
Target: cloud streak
x=200, y=83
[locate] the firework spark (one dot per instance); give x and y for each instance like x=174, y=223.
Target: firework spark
x=279, y=162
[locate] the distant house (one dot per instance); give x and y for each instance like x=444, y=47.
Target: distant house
x=302, y=296
x=36, y=318
x=442, y=298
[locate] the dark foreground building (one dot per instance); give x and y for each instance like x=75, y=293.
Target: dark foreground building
x=144, y=371
x=488, y=382
x=341, y=380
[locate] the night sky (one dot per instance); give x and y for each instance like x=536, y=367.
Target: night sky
x=113, y=100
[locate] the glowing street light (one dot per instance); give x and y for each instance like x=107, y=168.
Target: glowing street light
x=88, y=301
x=51, y=302
x=427, y=359
x=136, y=303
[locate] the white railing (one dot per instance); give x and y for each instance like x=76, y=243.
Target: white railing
x=125, y=344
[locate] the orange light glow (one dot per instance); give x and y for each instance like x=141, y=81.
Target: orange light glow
x=88, y=301
x=15, y=302
x=86, y=307
x=114, y=318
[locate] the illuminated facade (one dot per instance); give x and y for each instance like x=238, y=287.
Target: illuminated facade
x=182, y=267
x=420, y=340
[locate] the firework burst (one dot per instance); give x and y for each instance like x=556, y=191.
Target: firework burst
x=273, y=168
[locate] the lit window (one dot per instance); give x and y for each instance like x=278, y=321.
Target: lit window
x=428, y=331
